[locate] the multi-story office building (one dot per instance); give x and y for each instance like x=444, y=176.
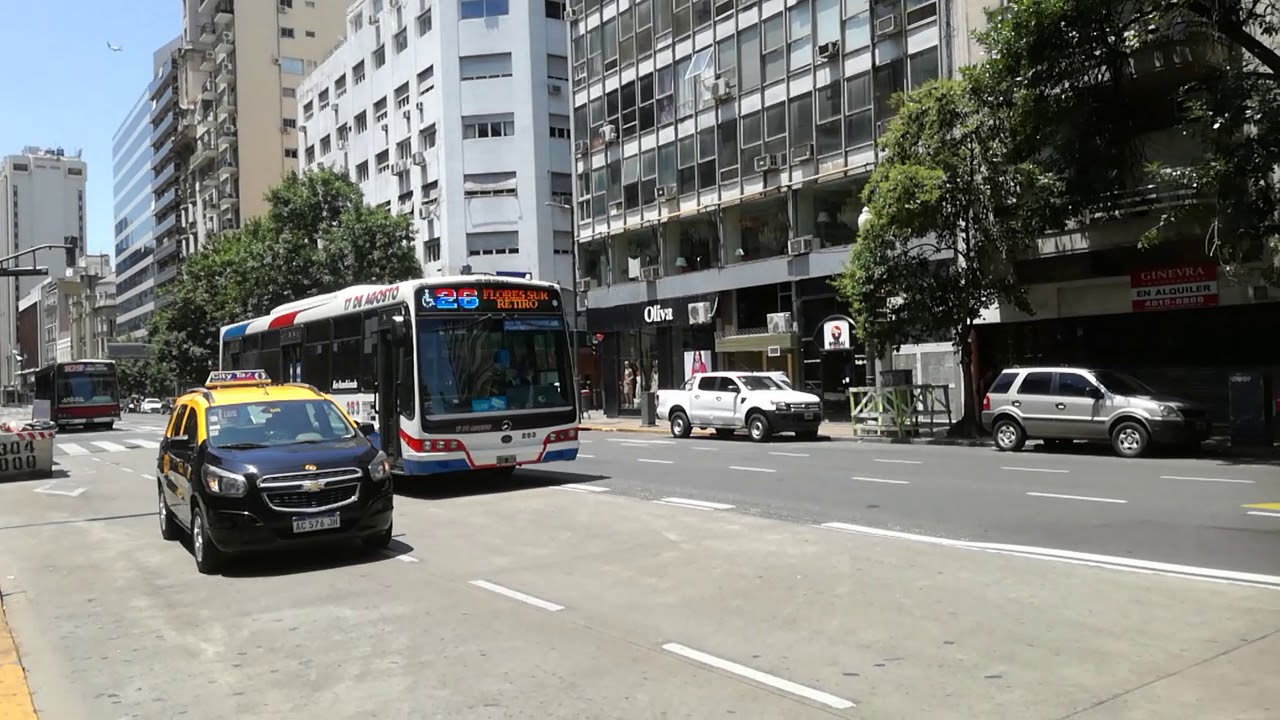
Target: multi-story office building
x=144, y=190
x=42, y=202
x=235, y=77
x=720, y=152
x=456, y=113
x=68, y=318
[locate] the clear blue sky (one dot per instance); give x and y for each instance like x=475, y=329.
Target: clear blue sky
x=62, y=87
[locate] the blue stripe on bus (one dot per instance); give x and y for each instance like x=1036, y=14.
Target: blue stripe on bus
x=236, y=331
x=429, y=467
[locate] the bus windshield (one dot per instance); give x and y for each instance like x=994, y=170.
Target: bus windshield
x=77, y=387
x=493, y=363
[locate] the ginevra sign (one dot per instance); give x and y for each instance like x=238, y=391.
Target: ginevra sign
x=658, y=314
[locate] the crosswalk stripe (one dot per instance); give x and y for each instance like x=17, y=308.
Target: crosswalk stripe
x=72, y=449
x=150, y=444
x=109, y=446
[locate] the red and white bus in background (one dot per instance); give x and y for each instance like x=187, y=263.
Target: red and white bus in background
x=83, y=393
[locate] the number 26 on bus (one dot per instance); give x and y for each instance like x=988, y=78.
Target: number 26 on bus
x=460, y=299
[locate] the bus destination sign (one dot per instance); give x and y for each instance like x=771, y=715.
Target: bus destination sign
x=87, y=368
x=479, y=298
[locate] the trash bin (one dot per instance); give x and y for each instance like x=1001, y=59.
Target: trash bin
x=648, y=408
x=584, y=402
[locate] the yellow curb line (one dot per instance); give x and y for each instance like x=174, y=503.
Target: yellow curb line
x=15, y=694
x=1274, y=506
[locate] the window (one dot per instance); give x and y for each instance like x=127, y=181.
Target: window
x=749, y=58
x=401, y=41
x=424, y=22
x=290, y=122
x=922, y=67
x=493, y=243
x=857, y=108
x=555, y=9
x=362, y=171
x=476, y=67
x=362, y=122
x=288, y=92
x=919, y=11
x=310, y=33
x=557, y=67
x=275, y=423
x=559, y=126
x=1003, y=383
x=357, y=73
x=489, y=184
x=801, y=109
x=801, y=49
x=775, y=43
x=492, y=126
x=326, y=145
x=431, y=251
x=1073, y=385
x=472, y=9
x=286, y=32
x=426, y=79
x=380, y=110
x=292, y=66
x=826, y=21
x=379, y=57
x=1036, y=383
x=857, y=32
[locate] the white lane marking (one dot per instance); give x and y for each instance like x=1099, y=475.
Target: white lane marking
x=577, y=487
x=1206, y=479
x=659, y=462
x=405, y=558
x=763, y=678
x=882, y=480
x=582, y=455
x=899, y=462
x=96, y=459
x=149, y=444
x=49, y=489
x=1262, y=513
x=1110, y=562
x=787, y=454
x=698, y=504
x=149, y=477
x=1040, y=470
x=585, y=441
x=1077, y=497
x=751, y=469
x=109, y=446
x=517, y=595
x=642, y=442
x=72, y=449
x=703, y=447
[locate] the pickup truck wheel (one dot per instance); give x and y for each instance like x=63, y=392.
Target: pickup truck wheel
x=758, y=426
x=680, y=426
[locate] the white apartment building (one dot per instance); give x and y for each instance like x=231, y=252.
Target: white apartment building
x=42, y=201
x=457, y=112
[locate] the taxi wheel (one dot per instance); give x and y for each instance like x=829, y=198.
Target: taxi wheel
x=378, y=541
x=209, y=558
x=169, y=529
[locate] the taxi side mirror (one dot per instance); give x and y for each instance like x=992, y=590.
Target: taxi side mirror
x=368, y=428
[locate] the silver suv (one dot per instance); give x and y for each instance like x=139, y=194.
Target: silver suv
x=1063, y=404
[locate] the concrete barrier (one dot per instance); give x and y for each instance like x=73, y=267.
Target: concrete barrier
x=26, y=454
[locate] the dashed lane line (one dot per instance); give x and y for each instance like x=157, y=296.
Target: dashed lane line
x=763, y=678
x=1077, y=497
x=694, y=504
x=881, y=480
x=1206, y=479
x=517, y=595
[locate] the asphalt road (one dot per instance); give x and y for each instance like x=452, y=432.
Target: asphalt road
x=598, y=590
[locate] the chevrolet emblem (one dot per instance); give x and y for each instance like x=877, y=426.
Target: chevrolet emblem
x=312, y=486
x=308, y=467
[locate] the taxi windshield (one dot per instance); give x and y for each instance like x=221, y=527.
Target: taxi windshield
x=273, y=423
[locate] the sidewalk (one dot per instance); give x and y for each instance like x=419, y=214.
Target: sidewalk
x=843, y=431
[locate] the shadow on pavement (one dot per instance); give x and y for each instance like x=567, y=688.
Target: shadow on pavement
x=74, y=521
x=1217, y=453
x=467, y=484
x=311, y=559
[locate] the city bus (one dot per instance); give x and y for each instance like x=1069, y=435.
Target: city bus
x=81, y=394
x=456, y=374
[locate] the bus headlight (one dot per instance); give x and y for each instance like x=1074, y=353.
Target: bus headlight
x=222, y=482
x=380, y=468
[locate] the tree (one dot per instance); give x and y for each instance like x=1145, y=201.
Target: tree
x=1083, y=78
x=141, y=376
x=949, y=214
x=317, y=236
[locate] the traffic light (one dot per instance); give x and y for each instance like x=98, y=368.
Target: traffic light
x=71, y=255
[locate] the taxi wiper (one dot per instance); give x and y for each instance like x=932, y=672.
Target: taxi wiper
x=243, y=445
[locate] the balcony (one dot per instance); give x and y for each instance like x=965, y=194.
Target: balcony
x=205, y=151
x=226, y=136
x=165, y=226
x=166, y=100
x=165, y=200
x=161, y=130
x=228, y=201
x=208, y=60
x=165, y=250
x=168, y=273
x=161, y=156
x=226, y=77
x=226, y=43
x=227, y=169
x=224, y=15
x=208, y=33
x=164, y=176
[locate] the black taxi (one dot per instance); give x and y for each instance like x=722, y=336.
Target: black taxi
x=246, y=464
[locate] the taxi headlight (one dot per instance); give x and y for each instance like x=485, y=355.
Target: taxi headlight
x=380, y=468
x=223, y=482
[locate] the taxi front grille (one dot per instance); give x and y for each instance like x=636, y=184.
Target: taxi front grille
x=325, y=499
x=312, y=491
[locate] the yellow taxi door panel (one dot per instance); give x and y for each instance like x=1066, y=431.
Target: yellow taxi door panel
x=183, y=458
x=167, y=465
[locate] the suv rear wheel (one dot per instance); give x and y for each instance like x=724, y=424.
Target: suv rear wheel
x=1009, y=435
x=1130, y=439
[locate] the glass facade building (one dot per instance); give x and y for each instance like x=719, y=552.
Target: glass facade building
x=133, y=197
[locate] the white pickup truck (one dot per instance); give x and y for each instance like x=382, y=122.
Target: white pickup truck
x=730, y=401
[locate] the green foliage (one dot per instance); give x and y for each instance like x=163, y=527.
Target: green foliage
x=316, y=237
x=1062, y=68
x=143, y=377
x=949, y=213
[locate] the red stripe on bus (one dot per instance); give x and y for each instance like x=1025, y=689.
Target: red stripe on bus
x=284, y=320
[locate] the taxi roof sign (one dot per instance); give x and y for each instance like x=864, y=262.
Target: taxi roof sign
x=231, y=378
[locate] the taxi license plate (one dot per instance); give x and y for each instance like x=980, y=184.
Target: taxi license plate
x=506, y=459
x=808, y=416
x=311, y=523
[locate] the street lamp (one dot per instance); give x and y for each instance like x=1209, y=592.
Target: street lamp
x=864, y=218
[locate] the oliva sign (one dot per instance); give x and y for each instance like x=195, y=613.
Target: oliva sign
x=657, y=314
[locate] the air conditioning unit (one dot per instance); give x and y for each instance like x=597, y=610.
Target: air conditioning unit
x=424, y=211
x=722, y=89
x=581, y=147
x=420, y=158
x=886, y=25
x=615, y=207
x=227, y=37
x=778, y=323
x=570, y=14
x=282, y=8
x=665, y=192
x=801, y=152
x=373, y=20
x=228, y=129
x=699, y=313
x=228, y=68
x=554, y=89
x=342, y=146
x=275, y=59
x=828, y=50
x=585, y=285
x=801, y=245
x=609, y=133
x=406, y=113
x=209, y=54
x=419, y=106
x=285, y=129
x=766, y=162
x=400, y=166
x=650, y=273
